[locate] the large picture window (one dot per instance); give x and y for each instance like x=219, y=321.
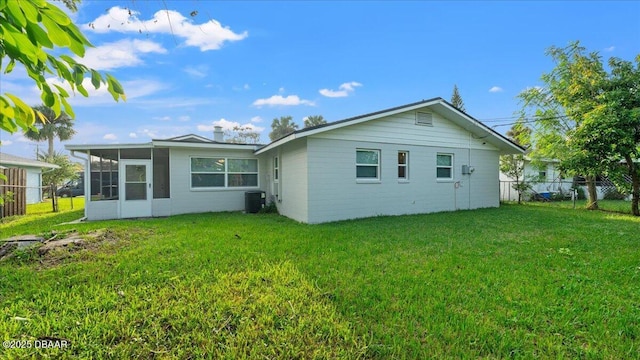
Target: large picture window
x=444, y=168
x=223, y=172
x=367, y=164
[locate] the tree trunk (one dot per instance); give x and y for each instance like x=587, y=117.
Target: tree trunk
x=592, y=198
x=50, y=149
x=635, y=186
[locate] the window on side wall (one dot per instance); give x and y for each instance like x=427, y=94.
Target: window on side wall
x=542, y=175
x=276, y=169
x=444, y=167
x=367, y=164
x=403, y=165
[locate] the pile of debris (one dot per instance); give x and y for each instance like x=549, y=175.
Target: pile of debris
x=70, y=240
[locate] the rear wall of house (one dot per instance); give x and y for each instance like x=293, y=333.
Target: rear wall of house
x=336, y=194
x=290, y=191
x=185, y=199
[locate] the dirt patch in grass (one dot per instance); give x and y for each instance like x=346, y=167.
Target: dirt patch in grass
x=72, y=245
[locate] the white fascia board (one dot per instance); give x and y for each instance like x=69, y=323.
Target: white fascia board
x=482, y=127
x=173, y=144
x=32, y=165
x=107, y=146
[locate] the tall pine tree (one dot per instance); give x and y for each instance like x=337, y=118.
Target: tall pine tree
x=456, y=99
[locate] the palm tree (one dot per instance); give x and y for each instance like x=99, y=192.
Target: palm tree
x=281, y=127
x=314, y=120
x=60, y=127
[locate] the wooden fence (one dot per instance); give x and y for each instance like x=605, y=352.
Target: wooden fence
x=16, y=184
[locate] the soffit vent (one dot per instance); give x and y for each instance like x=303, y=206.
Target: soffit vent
x=424, y=119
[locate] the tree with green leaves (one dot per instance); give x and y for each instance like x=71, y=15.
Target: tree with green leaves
x=67, y=171
x=242, y=135
x=314, y=120
x=456, y=99
x=281, y=127
x=611, y=129
x=513, y=165
x=560, y=112
x=55, y=127
x=27, y=28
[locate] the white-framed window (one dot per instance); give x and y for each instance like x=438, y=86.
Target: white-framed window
x=403, y=165
x=276, y=169
x=223, y=172
x=444, y=166
x=542, y=175
x=367, y=164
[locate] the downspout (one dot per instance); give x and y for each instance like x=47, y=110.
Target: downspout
x=87, y=181
x=469, y=164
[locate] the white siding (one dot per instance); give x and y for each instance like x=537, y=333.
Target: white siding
x=34, y=185
x=401, y=129
x=483, y=183
x=102, y=210
x=335, y=194
x=293, y=186
x=185, y=200
x=161, y=207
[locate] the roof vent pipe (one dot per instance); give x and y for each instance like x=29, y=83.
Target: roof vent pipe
x=218, y=134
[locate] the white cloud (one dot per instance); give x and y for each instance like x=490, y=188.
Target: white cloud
x=122, y=53
x=184, y=118
x=199, y=71
x=281, y=90
x=246, y=87
x=275, y=100
x=609, y=49
x=210, y=35
x=162, y=118
x=150, y=133
x=228, y=125
x=133, y=89
x=345, y=90
x=6, y=143
x=256, y=119
x=496, y=89
x=133, y=135
x=110, y=136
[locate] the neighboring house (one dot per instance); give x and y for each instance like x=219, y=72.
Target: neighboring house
x=545, y=179
x=422, y=157
x=34, y=171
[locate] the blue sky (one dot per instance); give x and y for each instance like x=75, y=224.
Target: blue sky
x=247, y=62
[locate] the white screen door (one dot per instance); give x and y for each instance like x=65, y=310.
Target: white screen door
x=135, y=188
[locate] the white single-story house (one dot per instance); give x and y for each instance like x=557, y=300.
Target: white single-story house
x=422, y=157
x=544, y=179
x=34, y=171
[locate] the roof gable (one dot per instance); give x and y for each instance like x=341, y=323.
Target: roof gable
x=190, y=138
x=438, y=105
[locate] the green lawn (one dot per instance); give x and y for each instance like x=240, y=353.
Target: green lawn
x=514, y=282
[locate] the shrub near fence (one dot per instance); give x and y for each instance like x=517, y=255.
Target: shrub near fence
x=14, y=192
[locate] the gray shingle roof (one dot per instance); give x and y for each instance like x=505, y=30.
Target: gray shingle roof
x=8, y=160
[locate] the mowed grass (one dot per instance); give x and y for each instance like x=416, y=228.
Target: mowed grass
x=513, y=282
